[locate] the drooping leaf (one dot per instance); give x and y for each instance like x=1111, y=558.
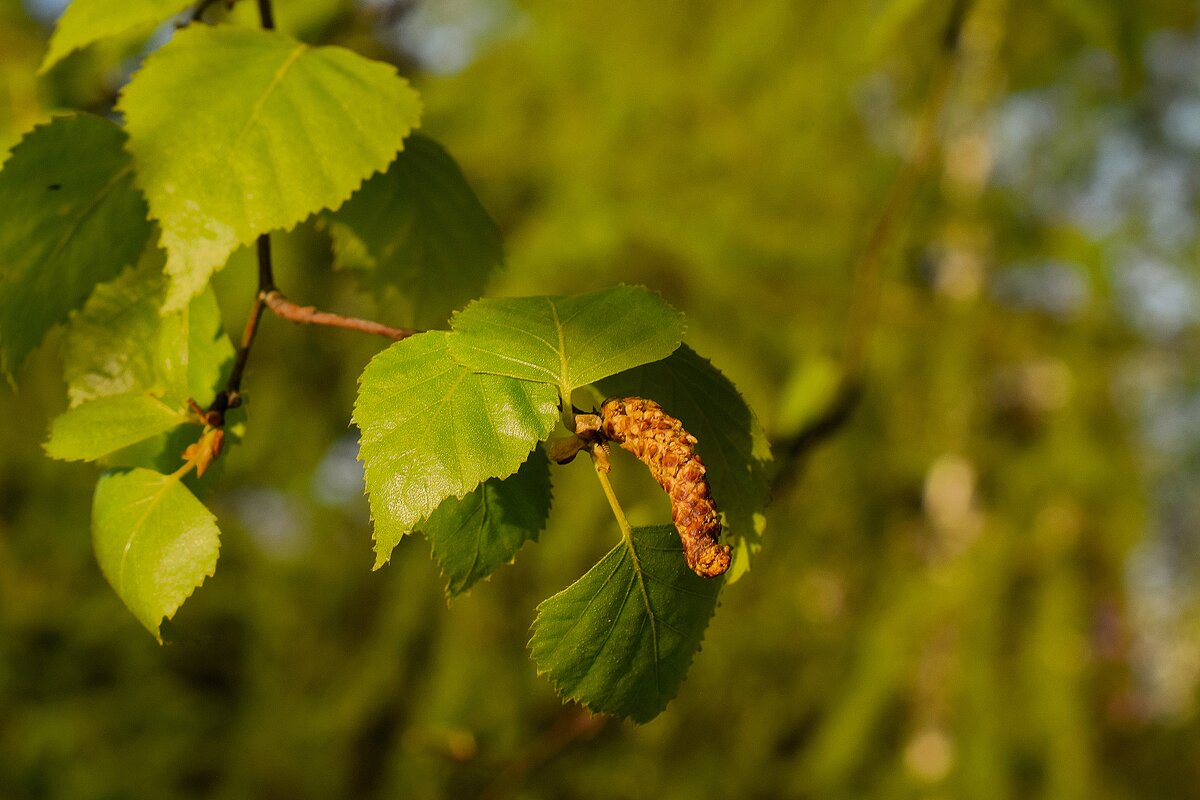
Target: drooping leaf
x=566, y=341
x=88, y=21
x=474, y=536
x=155, y=542
x=621, y=638
x=432, y=429
x=419, y=228
x=236, y=132
x=730, y=441
x=70, y=218
x=120, y=343
x=107, y=424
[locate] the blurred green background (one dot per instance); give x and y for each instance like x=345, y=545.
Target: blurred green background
x=982, y=585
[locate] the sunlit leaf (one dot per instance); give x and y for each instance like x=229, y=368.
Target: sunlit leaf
x=432, y=429
x=70, y=218
x=237, y=132
x=566, y=341
x=107, y=424
x=621, y=638
x=87, y=21
x=154, y=540
x=419, y=228
x=730, y=441
x=474, y=536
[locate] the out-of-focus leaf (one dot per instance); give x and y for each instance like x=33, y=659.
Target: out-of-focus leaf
x=566, y=341
x=70, y=218
x=474, y=536
x=237, y=132
x=101, y=426
x=120, y=343
x=87, y=21
x=156, y=543
x=432, y=429
x=419, y=228
x=621, y=638
x=730, y=442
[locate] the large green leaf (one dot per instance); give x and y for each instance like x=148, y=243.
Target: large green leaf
x=88, y=21
x=474, y=536
x=432, y=429
x=566, y=341
x=70, y=218
x=621, y=638
x=107, y=424
x=119, y=343
x=237, y=132
x=730, y=441
x=154, y=540
x=419, y=228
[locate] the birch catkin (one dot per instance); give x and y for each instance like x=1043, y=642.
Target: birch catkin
x=661, y=443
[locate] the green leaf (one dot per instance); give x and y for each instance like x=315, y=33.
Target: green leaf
x=119, y=343
x=432, y=429
x=88, y=21
x=154, y=540
x=107, y=424
x=474, y=536
x=71, y=219
x=730, y=441
x=566, y=341
x=621, y=638
x=419, y=228
x=237, y=132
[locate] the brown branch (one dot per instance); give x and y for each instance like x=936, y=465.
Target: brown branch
x=868, y=269
x=308, y=315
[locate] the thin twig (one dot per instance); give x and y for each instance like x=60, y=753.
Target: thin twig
x=868, y=269
x=308, y=315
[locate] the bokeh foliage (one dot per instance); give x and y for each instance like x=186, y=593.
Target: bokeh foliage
x=982, y=587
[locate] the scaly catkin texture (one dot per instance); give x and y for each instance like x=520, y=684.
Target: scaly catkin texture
x=661, y=443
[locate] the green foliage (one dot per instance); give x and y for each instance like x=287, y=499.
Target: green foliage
x=101, y=426
x=433, y=429
x=621, y=638
x=731, y=442
x=474, y=536
x=420, y=229
x=72, y=219
x=156, y=543
x=568, y=342
x=279, y=131
x=88, y=21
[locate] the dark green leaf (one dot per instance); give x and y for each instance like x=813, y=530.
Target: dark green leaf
x=730, y=442
x=419, y=228
x=474, y=536
x=432, y=429
x=621, y=638
x=566, y=341
x=71, y=218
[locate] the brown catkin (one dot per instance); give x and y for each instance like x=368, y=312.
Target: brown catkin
x=661, y=443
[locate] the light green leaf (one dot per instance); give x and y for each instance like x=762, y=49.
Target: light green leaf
x=70, y=218
x=432, y=429
x=474, y=536
x=419, y=228
x=236, y=132
x=566, y=341
x=88, y=21
x=154, y=540
x=730, y=441
x=107, y=424
x=119, y=343
x=621, y=638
